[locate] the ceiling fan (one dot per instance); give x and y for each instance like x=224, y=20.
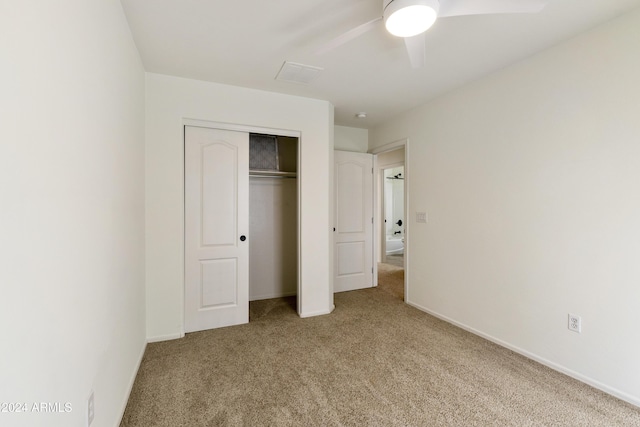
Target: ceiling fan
x=410, y=19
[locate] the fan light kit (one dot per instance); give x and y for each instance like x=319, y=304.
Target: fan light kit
x=408, y=18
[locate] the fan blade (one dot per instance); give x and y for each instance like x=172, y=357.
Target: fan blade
x=416, y=50
x=486, y=7
x=348, y=36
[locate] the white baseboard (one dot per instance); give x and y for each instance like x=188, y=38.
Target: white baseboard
x=556, y=367
x=167, y=337
x=316, y=313
x=132, y=380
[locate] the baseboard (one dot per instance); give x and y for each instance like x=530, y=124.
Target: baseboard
x=132, y=380
x=555, y=366
x=316, y=313
x=167, y=337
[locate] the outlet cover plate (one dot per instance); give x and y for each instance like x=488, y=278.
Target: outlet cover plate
x=575, y=323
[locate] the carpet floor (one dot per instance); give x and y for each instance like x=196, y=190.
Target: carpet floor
x=374, y=361
x=397, y=260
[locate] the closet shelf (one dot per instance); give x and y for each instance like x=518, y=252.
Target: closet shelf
x=266, y=173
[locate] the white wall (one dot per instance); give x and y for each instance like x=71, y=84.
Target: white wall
x=72, y=210
x=351, y=139
x=169, y=100
x=390, y=158
x=273, y=247
x=531, y=180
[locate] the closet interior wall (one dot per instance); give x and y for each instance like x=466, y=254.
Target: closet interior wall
x=273, y=226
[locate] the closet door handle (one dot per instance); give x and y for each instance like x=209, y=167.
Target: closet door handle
x=243, y=238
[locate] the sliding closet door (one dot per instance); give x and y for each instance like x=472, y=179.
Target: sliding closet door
x=216, y=227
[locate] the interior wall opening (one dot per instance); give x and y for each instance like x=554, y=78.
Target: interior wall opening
x=394, y=218
x=391, y=207
x=242, y=212
x=273, y=220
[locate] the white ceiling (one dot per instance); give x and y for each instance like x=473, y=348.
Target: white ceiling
x=245, y=42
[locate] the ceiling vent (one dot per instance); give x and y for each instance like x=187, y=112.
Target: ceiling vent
x=298, y=73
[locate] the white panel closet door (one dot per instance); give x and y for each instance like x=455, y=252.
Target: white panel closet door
x=353, y=267
x=216, y=225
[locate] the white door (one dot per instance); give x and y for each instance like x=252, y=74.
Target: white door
x=216, y=226
x=353, y=267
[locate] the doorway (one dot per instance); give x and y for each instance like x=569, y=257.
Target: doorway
x=393, y=214
x=392, y=231
x=241, y=223
x=273, y=224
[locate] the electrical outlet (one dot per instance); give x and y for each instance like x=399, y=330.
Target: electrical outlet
x=575, y=323
x=90, y=409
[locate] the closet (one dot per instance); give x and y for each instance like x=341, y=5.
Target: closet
x=241, y=223
x=273, y=216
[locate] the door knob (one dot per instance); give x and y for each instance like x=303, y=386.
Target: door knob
x=243, y=238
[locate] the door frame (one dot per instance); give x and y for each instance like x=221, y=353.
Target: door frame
x=248, y=129
x=395, y=145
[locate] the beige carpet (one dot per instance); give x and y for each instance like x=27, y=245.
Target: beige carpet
x=375, y=361
x=391, y=279
x=397, y=260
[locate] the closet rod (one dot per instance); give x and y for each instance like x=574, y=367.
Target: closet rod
x=272, y=174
